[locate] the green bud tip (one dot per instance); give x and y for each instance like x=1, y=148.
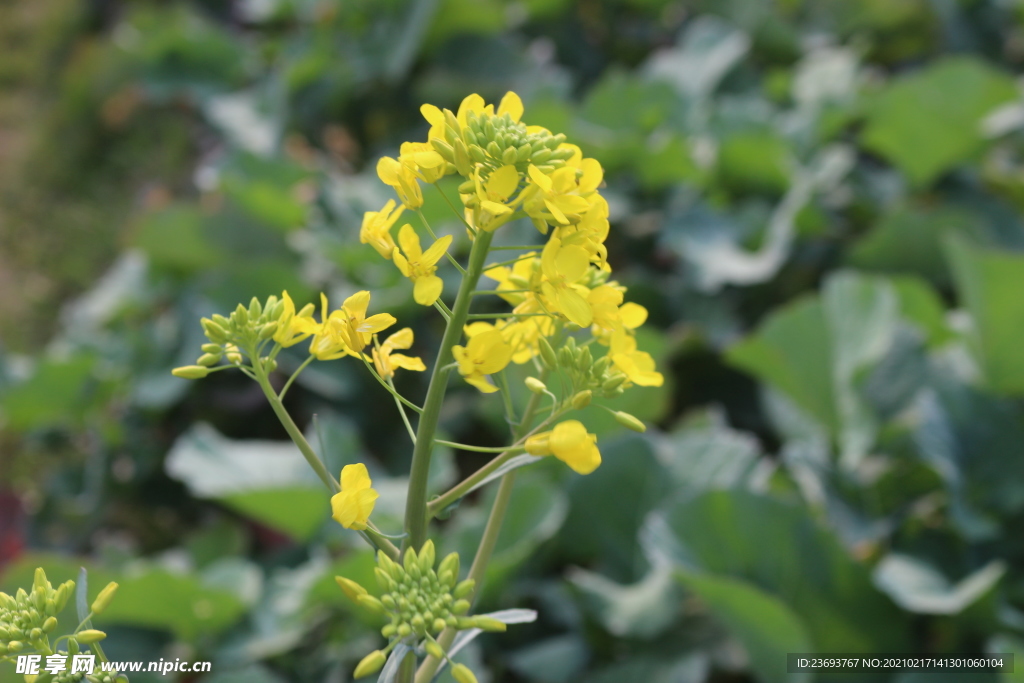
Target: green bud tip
x=535, y=385
x=630, y=422
x=582, y=399
x=433, y=649
x=351, y=589
x=463, y=589
x=191, y=372
x=489, y=624
x=90, y=635
x=427, y=556
x=370, y=664
x=462, y=674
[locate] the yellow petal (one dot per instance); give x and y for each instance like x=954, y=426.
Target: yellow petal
x=432, y=114
x=574, y=307
x=592, y=176
x=401, y=339
x=436, y=251
x=511, y=104
x=408, y=362
x=410, y=242
x=427, y=289
x=494, y=208
x=388, y=170
x=503, y=182
x=536, y=175
x=633, y=315
x=355, y=477
x=481, y=383
x=376, y=323
x=356, y=304
x=400, y=261
x=572, y=262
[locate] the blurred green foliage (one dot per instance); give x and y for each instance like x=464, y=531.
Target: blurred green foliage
x=819, y=203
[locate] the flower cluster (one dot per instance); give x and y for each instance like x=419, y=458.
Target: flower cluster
x=28, y=618
x=419, y=601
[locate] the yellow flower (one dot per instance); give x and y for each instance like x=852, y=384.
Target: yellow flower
x=291, y=326
x=511, y=104
x=563, y=266
x=558, y=193
x=402, y=179
x=610, y=313
x=484, y=354
x=517, y=278
x=346, y=331
x=570, y=443
x=422, y=160
x=351, y=507
x=637, y=366
x=387, y=362
x=376, y=229
x=420, y=266
x=493, y=193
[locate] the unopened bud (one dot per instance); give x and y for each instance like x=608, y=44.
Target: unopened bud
x=90, y=635
x=212, y=348
x=449, y=564
x=370, y=664
x=489, y=624
x=433, y=649
x=371, y=603
x=461, y=607
x=351, y=589
x=427, y=556
x=630, y=421
x=208, y=359
x=582, y=399
x=49, y=624
x=463, y=589
x=191, y=372
x=462, y=674
x=268, y=330
x=255, y=309
x=535, y=385
x=547, y=354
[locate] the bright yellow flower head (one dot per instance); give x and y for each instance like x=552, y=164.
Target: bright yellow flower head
x=291, y=326
x=515, y=279
x=570, y=443
x=557, y=196
x=352, y=506
x=494, y=192
x=484, y=354
x=346, y=331
x=376, y=229
x=420, y=266
x=563, y=267
x=422, y=160
x=387, y=362
x=637, y=366
x=402, y=179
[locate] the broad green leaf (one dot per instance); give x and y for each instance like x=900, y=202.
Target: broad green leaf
x=56, y=393
x=755, y=161
x=779, y=549
x=990, y=284
x=707, y=454
x=640, y=610
x=559, y=659
x=929, y=121
x=175, y=238
x=918, y=587
x=266, y=480
x=764, y=624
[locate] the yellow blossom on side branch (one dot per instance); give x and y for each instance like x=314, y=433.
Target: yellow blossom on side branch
x=351, y=507
x=420, y=266
x=386, y=361
x=484, y=354
x=570, y=443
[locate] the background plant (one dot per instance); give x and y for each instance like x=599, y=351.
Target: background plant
x=817, y=203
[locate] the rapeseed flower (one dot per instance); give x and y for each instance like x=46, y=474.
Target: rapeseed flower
x=386, y=361
x=570, y=443
x=420, y=266
x=484, y=354
x=351, y=507
x=376, y=228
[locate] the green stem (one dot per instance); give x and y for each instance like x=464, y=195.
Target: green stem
x=425, y=674
x=293, y=431
x=475, y=449
x=416, y=500
x=288, y=384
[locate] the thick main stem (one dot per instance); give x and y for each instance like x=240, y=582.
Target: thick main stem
x=428, y=668
x=416, y=500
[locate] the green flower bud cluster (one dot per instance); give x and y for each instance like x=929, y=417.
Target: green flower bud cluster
x=230, y=335
x=497, y=141
x=27, y=618
x=419, y=600
x=589, y=376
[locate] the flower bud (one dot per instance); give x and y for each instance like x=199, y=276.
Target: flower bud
x=49, y=624
x=389, y=630
x=214, y=332
x=267, y=331
x=212, y=348
x=444, y=149
x=371, y=603
x=630, y=421
x=433, y=649
x=370, y=664
x=73, y=648
x=208, y=359
x=462, y=674
x=40, y=581
x=427, y=556
x=582, y=399
x=255, y=309
x=90, y=635
x=535, y=385
x=241, y=315
x=449, y=564
x=191, y=372
x=547, y=354
x=463, y=589
x=461, y=607
x=351, y=589
x=489, y=624
x=384, y=580
x=14, y=646
x=438, y=625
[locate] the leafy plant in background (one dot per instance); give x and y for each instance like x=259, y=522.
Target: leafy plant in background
x=819, y=205
x=509, y=170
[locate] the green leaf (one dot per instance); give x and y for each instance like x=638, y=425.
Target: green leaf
x=175, y=238
x=928, y=122
x=706, y=454
x=764, y=624
x=267, y=481
x=640, y=610
x=918, y=587
x=54, y=394
x=754, y=161
x=990, y=283
x=779, y=549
